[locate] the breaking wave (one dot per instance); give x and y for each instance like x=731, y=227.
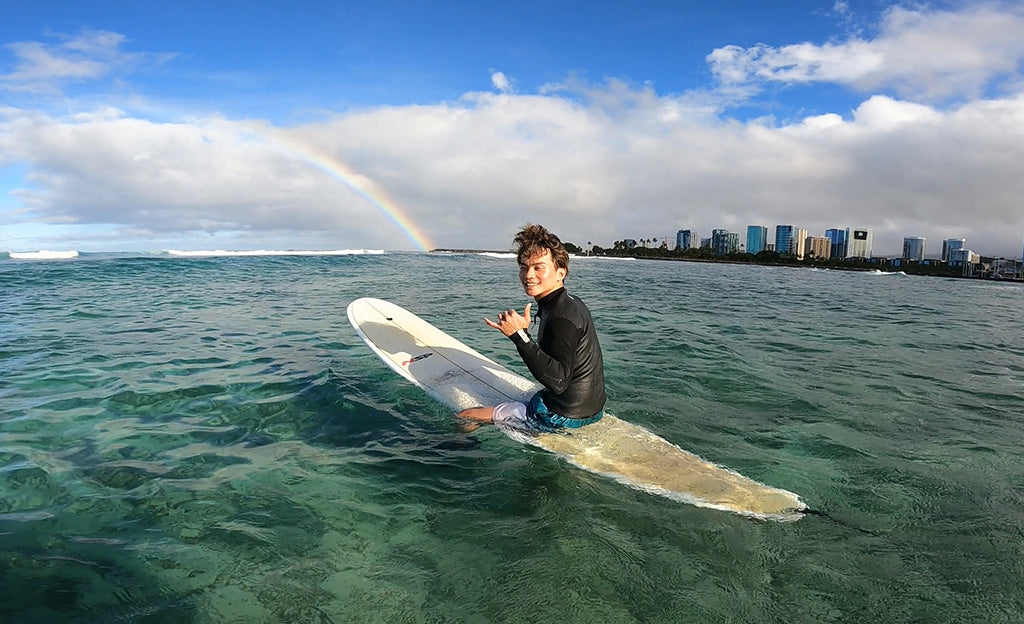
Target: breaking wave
x=44, y=254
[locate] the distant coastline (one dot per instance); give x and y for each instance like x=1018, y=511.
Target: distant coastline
x=990, y=268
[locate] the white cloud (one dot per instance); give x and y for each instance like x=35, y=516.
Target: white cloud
x=207, y=175
x=469, y=173
x=886, y=114
x=501, y=82
x=44, y=67
x=597, y=162
x=921, y=54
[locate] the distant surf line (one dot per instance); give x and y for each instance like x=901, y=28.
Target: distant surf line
x=215, y=253
x=360, y=184
x=44, y=254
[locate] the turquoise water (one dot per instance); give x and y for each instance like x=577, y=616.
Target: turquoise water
x=207, y=440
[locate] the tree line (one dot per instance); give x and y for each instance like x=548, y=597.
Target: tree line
x=645, y=249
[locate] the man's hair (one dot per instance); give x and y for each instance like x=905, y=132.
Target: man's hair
x=535, y=239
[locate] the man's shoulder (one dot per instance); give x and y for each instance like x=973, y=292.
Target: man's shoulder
x=575, y=299
x=572, y=305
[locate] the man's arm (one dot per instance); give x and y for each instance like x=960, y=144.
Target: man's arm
x=553, y=367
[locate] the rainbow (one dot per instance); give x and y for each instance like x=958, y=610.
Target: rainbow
x=360, y=184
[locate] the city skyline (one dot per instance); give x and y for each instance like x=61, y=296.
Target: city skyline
x=927, y=252
x=852, y=251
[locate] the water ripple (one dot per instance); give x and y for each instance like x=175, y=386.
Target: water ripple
x=206, y=440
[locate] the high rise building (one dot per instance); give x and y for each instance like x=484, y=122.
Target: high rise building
x=951, y=244
x=798, y=246
x=913, y=248
x=687, y=239
x=724, y=242
x=734, y=242
x=818, y=247
x=757, y=238
x=963, y=256
x=784, y=239
x=837, y=238
x=858, y=243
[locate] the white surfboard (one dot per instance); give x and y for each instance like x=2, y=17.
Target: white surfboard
x=460, y=377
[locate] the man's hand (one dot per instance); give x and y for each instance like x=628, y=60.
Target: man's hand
x=511, y=321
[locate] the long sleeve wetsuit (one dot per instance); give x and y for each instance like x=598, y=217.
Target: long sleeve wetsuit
x=566, y=358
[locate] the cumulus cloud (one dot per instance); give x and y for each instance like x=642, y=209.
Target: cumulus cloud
x=470, y=172
x=501, y=82
x=205, y=175
x=595, y=162
x=920, y=54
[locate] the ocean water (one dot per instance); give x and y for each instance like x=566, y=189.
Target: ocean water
x=205, y=439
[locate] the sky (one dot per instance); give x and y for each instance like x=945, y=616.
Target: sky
x=419, y=125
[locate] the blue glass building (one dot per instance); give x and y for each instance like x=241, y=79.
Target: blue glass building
x=950, y=245
x=784, y=238
x=838, y=239
x=757, y=238
x=687, y=239
x=913, y=248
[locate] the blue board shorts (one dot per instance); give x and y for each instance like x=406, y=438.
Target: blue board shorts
x=535, y=416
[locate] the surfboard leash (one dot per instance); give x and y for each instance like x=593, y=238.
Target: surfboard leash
x=807, y=511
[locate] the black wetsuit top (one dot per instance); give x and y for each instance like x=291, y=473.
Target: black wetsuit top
x=566, y=358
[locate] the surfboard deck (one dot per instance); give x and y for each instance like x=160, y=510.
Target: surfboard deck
x=461, y=377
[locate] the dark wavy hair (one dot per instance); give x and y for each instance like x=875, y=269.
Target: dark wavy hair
x=535, y=239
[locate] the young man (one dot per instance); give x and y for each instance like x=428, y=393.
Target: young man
x=565, y=358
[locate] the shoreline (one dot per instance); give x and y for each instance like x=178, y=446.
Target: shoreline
x=929, y=270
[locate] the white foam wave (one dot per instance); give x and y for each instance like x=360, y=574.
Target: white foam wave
x=492, y=254
x=881, y=272
x=216, y=253
x=44, y=254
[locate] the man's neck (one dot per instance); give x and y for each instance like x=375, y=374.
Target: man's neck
x=548, y=296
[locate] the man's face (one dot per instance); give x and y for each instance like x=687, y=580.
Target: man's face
x=539, y=275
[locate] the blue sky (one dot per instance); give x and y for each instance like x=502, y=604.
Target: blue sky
x=398, y=124
x=282, y=62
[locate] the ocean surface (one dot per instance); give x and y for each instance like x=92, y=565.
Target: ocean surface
x=198, y=439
